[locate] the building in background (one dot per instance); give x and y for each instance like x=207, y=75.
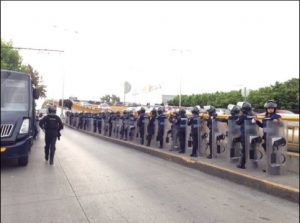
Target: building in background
x=166, y=98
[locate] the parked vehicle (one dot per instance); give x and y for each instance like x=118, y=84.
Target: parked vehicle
x=18, y=118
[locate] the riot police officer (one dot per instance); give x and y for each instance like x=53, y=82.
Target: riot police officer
x=182, y=122
x=194, y=122
x=270, y=107
x=110, y=122
x=173, y=119
x=124, y=126
x=51, y=125
x=234, y=135
x=94, y=117
x=141, y=124
x=246, y=115
x=131, y=125
x=161, y=127
x=85, y=120
x=151, y=126
x=211, y=115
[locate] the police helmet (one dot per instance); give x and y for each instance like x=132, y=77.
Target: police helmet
x=51, y=109
x=270, y=104
x=235, y=110
x=195, y=110
x=160, y=110
x=246, y=107
x=182, y=112
x=211, y=110
x=142, y=110
x=153, y=111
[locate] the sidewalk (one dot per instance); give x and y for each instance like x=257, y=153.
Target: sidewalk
x=285, y=186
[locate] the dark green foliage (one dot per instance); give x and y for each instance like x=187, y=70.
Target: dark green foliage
x=11, y=60
x=286, y=94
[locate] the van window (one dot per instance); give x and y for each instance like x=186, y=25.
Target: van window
x=14, y=95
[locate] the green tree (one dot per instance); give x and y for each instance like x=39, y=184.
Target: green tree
x=11, y=60
x=286, y=94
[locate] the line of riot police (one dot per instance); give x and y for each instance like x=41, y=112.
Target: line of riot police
x=236, y=138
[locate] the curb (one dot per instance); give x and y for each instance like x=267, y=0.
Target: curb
x=269, y=187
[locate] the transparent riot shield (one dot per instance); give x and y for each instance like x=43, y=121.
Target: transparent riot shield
x=152, y=132
x=253, y=150
x=233, y=141
x=131, y=129
x=168, y=136
x=174, y=138
x=113, y=127
x=117, y=128
x=145, y=124
x=194, y=134
x=90, y=124
x=77, y=122
x=276, y=146
x=103, y=125
x=218, y=137
x=161, y=132
x=204, y=140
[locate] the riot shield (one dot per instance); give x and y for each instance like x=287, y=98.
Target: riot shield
x=204, y=139
x=145, y=124
x=253, y=151
x=174, y=138
x=233, y=141
x=90, y=123
x=117, y=127
x=276, y=146
x=161, y=132
x=132, y=129
x=76, y=121
x=151, y=132
x=194, y=134
x=218, y=137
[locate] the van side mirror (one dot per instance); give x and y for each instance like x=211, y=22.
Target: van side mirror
x=35, y=93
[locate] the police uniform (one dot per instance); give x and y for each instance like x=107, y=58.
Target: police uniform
x=52, y=125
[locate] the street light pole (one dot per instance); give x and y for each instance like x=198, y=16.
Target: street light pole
x=63, y=75
x=181, y=51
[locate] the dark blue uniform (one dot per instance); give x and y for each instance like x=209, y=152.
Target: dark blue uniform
x=161, y=128
x=52, y=125
x=150, y=129
x=182, y=124
x=141, y=126
x=194, y=122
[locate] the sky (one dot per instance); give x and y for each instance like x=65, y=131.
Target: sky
x=189, y=47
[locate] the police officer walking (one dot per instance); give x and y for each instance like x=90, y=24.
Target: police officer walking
x=51, y=125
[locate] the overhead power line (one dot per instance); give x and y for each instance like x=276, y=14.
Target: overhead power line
x=27, y=48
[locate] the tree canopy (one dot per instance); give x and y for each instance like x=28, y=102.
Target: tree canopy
x=11, y=60
x=286, y=94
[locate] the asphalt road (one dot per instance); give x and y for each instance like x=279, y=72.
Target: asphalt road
x=98, y=181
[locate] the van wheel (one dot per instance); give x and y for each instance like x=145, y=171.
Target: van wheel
x=23, y=161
